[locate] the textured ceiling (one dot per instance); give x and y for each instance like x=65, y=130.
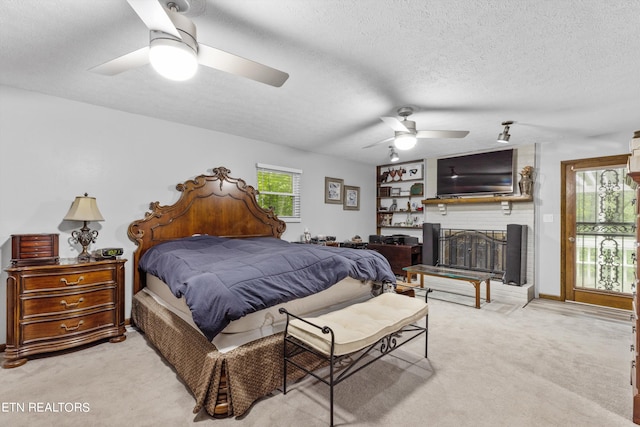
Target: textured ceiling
x=562, y=69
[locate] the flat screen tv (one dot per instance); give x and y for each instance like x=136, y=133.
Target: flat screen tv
x=481, y=173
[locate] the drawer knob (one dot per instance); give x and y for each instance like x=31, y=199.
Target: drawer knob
x=72, y=328
x=71, y=304
x=80, y=279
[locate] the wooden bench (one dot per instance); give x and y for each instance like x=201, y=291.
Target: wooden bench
x=383, y=323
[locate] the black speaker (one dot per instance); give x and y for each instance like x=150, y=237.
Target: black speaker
x=430, y=243
x=516, y=260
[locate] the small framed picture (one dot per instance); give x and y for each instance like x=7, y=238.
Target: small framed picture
x=333, y=189
x=351, y=198
x=395, y=191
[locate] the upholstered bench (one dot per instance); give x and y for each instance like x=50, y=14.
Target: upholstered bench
x=389, y=320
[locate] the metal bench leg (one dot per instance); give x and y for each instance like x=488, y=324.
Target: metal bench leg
x=331, y=391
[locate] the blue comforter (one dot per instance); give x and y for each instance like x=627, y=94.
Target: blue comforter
x=224, y=279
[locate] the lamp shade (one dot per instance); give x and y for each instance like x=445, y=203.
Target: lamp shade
x=84, y=208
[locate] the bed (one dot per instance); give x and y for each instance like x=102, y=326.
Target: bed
x=230, y=369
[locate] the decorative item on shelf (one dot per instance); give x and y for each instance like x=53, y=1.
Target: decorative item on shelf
x=409, y=220
x=84, y=208
x=414, y=171
x=395, y=191
x=417, y=189
x=394, y=206
x=383, y=177
x=385, y=220
x=392, y=175
x=384, y=191
x=526, y=181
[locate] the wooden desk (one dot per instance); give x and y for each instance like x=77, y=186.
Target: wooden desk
x=473, y=277
x=399, y=256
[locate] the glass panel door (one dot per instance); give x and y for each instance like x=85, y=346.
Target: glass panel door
x=605, y=230
x=598, y=232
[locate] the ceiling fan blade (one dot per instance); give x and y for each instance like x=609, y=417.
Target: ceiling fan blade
x=154, y=16
x=442, y=133
x=224, y=61
x=379, y=142
x=135, y=59
x=395, y=124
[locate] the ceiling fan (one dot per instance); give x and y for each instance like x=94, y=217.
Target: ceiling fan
x=406, y=134
x=174, y=50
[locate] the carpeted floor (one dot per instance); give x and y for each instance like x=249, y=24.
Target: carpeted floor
x=547, y=364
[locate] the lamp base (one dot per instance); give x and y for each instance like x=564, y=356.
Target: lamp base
x=84, y=257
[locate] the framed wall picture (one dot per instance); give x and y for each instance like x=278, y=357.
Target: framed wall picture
x=333, y=190
x=351, y=198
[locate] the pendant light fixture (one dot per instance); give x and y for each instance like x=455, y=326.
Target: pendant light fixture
x=503, y=138
x=393, y=154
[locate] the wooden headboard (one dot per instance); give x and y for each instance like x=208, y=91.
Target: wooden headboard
x=215, y=204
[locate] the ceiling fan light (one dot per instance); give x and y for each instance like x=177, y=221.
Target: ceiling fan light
x=405, y=141
x=173, y=59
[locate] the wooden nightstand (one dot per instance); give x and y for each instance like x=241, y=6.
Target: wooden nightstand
x=56, y=307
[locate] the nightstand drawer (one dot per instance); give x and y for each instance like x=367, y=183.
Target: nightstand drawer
x=67, y=280
x=73, y=325
x=39, y=306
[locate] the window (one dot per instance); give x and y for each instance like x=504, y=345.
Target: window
x=279, y=188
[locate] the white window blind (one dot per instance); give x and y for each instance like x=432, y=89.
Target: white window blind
x=279, y=188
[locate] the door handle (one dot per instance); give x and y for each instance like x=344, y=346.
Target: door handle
x=572, y=239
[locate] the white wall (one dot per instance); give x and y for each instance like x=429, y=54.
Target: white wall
x=52, y=150
x=548, y=203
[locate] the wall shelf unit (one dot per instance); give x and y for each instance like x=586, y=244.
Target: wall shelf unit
x=399, y=193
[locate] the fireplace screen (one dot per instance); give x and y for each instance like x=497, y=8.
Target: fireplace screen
x=474, y=250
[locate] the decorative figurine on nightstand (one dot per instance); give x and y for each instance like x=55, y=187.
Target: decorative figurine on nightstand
x=526, y=181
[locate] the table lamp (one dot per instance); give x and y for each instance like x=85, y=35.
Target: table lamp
x=85, y=209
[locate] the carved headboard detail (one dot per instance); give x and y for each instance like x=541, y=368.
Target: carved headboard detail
x=216, y=204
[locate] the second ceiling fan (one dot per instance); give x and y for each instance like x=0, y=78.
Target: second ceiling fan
x=406, y=134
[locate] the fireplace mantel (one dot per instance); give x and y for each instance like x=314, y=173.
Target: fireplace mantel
x=488, y=199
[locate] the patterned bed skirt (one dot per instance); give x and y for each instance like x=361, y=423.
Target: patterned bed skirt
x=223, y=384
